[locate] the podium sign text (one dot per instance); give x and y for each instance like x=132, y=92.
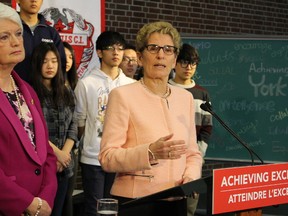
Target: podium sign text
x=242, y=188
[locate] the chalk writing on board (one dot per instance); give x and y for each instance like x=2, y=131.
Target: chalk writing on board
x=212, y=58
x=239, y=146
x=229, y=86
x=247, y=79
x=279, y=149
x=282, y=52
x=263, y=47
x=201, y=45
x=254, y=68
x=279, y=116
x=246, y=106
x=264, y=88
x=278, y=130
x=251, y=127
x=208, y=82
x=204, y=82
x=222, y=71
x=246, y=58
x=239, y=122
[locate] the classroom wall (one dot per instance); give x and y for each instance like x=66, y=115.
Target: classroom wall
x=261, y=17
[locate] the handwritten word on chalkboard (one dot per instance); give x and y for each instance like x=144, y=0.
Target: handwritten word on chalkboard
x=247, y=79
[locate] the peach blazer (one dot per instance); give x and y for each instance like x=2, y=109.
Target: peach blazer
x=134, y=119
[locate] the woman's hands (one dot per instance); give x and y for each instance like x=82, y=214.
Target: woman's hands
x=45, y=209
x=165, y=148
x=63, y=157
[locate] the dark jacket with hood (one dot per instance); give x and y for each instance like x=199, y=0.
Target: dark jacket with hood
x=41, y=33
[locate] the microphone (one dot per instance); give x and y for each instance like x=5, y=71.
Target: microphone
x=208, y=108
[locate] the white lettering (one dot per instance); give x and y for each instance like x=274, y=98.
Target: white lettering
x=278, y=192
x=246, y=197
x=235, y=180
x=268, y=89
x=279, y=175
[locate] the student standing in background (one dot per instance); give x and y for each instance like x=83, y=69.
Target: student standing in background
x=187, y=62
x=71, y=70
x=35, y=31
x=129, y=64
x=71, y=82
x=58, y=106
x=92, y=96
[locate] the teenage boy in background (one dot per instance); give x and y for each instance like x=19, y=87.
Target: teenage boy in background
x=187, y=62
x=92, y=97
x=35, y=31
x=129, y=63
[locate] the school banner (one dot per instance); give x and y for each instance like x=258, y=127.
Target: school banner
x=79, y=24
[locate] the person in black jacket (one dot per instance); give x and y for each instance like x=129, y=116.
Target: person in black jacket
x=35, y=31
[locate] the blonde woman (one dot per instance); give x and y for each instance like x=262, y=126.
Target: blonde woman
x=149, y=136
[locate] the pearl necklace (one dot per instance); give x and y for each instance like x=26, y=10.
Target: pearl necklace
x=167, y=93
x=17, y=97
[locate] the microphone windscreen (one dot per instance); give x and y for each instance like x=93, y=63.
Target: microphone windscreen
x=204, y=107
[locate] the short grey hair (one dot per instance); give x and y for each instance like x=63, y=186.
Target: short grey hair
x=7, y=12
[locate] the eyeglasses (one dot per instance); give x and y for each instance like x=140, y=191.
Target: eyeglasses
x=167, y=49
x=184, y=64
x=113, y=48
x=128, y=60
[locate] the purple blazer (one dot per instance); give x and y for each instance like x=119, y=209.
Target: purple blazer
x=24, y=174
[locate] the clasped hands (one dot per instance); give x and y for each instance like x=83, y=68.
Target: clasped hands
x=165, y=148
x=63, y=160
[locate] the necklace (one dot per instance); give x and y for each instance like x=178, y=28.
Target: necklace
x=167, y=93
x=17, y=97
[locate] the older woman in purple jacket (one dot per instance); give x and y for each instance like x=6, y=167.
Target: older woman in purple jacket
x=27, y=162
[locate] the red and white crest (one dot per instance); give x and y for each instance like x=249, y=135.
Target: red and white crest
x=78, y=25
x=75, y=30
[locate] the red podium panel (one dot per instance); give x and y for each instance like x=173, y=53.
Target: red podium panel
x=249, y=187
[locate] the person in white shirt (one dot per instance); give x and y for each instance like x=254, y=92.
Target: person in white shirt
x=92, y=97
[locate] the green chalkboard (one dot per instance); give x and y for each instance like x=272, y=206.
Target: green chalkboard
x=247, y=79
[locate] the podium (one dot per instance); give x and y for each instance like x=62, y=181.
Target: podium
x=140, y=206
x=240, y=190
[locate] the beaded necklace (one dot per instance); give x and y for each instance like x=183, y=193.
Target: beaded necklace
x=17, y=97
x=165, y=96
x=167, y=93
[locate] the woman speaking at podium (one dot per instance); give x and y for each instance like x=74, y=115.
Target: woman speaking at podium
x=149, y=136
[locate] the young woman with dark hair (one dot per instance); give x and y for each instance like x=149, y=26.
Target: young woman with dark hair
x=58, y=105
x=71, y=70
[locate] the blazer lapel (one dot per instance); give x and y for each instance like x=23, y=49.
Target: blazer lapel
x=39, y=127
x=39, y=156
x=10, y=114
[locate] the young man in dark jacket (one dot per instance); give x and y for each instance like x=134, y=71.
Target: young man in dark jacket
x=35, y=31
